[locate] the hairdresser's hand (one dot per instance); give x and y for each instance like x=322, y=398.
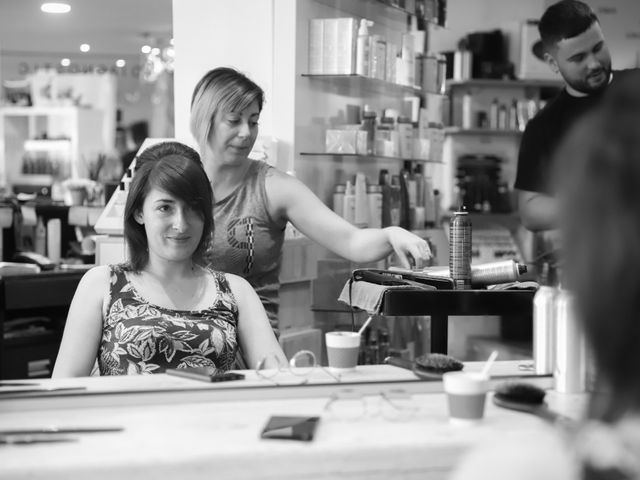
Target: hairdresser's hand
x=412, y=250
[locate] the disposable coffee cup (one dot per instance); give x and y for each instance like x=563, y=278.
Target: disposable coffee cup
x=466, y=394
x=342, y=350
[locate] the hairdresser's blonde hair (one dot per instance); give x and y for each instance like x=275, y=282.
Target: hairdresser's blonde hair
x=221, y=89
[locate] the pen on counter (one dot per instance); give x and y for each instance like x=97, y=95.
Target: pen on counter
x=54, y=429
x=37, y=438
x=39, y=389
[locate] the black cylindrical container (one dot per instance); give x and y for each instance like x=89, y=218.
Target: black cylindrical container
x=460, y=249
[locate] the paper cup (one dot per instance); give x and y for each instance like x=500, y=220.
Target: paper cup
x=466, y=394
x=342, y=350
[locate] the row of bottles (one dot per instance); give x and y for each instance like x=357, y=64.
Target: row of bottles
x=46, y=163
x=407, y=200
x=513, y=115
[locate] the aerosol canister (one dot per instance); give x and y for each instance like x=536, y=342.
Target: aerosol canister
x=571, y=349
x=497, y=272
x=544, y=330
x=460, y=249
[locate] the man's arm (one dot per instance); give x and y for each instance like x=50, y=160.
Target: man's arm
x=537, y=211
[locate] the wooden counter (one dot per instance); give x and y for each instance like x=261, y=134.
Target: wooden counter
x=203, y=433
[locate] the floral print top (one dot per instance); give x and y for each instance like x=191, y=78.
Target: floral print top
x=139, y=337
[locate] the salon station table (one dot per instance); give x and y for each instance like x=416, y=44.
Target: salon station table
x=440, y=304
x=177, y=428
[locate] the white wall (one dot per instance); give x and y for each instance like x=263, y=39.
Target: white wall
x=216, y=33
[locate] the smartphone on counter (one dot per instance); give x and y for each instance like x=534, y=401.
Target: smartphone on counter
x=205, y=374
x=291, y=428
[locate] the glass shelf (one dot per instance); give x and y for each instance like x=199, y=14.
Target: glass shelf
x=366, y=157
x=479, y=131
x=366, y=83
x=498, y=83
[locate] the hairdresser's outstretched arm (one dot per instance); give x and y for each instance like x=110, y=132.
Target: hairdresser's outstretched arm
x=83, y=329
x=291, y=200
x=255, y=333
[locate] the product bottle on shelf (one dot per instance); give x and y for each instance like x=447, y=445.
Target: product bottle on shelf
x=386, y=197
x=361, y=208
x=396, y=196
x=405, y=215
x=466, y=110
x=349, y=209
x=338, y=199
x=374, y=198
x=363, y=48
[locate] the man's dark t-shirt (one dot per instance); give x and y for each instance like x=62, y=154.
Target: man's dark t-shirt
x=543, y=135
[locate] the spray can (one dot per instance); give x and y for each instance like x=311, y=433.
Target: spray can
x=484, y=274
x=460, y=249
x=496, y=272
x=570, y=347
x=544, y=330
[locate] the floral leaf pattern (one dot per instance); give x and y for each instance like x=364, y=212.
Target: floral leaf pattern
x=141, y=338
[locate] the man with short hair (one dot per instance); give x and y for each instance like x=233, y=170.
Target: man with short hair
x=575, y=48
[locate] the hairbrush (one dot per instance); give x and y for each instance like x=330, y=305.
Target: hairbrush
x=524, y=397
x=429, y=366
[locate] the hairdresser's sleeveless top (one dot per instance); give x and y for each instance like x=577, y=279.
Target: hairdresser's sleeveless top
x=247, y=241
x=139, y=337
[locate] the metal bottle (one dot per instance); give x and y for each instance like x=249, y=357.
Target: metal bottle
x=460, y=249
x=571, y=349
x=544, y=330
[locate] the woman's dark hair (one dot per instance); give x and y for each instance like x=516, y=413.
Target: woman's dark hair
x=565, y=19
x=176, y=169
x=600, y=218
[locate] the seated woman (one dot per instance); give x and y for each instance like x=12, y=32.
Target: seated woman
x=163, y=309
x=600, y=212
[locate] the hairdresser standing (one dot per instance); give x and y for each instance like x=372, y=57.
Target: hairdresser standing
x=254, y=201
x=575, y=49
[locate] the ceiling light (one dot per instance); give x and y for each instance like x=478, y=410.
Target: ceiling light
x=55, y=7
x=65, y=62
x=120, y=63
x=85, y=47
x=145, y=49
x=155, y=51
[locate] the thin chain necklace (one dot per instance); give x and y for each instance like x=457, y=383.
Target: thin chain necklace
x=191, y=300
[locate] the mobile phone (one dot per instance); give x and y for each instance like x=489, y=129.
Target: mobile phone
x=291, y=428
x=205, y=374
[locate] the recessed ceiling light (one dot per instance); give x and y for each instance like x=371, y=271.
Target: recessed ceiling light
x=55, y=7
x=65, y=62
x=120, y=63
x=155, y=51
x=145, y=49
x=85, y=47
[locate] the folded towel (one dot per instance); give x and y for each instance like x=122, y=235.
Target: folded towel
x=366, y=295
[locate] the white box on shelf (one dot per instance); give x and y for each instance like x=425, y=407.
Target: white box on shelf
x=316, y=29
x=341, y=141
x=346, y=40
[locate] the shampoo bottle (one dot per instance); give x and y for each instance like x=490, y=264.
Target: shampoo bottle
x=361, y=212
x=363, y=48
x=40, y=237
x=349, y=209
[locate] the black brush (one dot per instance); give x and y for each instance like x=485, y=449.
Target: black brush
x=430, y=366
x=524, y=397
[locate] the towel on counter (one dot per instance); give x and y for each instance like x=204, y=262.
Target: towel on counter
x=366, y=295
